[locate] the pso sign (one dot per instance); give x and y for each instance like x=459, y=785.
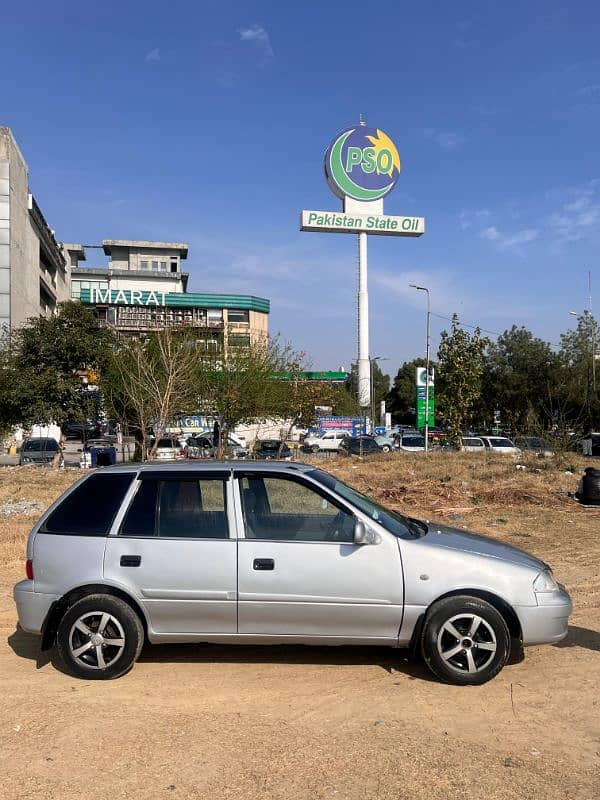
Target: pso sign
x=362, y=163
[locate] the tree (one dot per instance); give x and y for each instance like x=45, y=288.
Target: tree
x=246, y=384
x=461, y=362
x=42, y=365
x=150, y=380
x=401, y=398
x=521, y=379
x=577, y=358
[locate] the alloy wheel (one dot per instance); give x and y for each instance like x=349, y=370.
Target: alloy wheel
x=467, y=643
x=97, y=639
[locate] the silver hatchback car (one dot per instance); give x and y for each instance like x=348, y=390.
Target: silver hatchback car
x=271, y=553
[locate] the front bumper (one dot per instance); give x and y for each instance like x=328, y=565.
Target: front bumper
x=32, y=607
x=547, y=622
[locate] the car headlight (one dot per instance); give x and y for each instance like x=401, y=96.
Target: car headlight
x=545, y=583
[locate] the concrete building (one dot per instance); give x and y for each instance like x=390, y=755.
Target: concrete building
x=34, y=272
x=144, y=289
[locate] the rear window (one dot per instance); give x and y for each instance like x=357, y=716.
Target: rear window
x=166, y=443
x=40, y=444
x=90, y=509
x=501, y=443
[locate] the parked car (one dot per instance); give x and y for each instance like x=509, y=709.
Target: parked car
x=386, y=442
x=168, y=449
x=411, y=442
x=203, y=447
x=98, y=453
x=328, y=440
x=500, y=444
x=360, y=446
x=271, y=448
x=82, y=431
x=43, y=452
x=269, y=552
x=472, y=444
x=533, y=444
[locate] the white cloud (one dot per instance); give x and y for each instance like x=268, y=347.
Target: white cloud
x=259, y=37
x=153, y=55
x=509, y=241
x=447, y=140
x=466, y=219
x=579, y=216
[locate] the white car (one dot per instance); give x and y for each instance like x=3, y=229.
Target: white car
x=328, y=440
x=500, y=444
x=169, y=449
x=412, y=442
x=472, y=444
x=387, y=443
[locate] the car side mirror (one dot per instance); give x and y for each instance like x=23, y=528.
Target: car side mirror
x=364, y=535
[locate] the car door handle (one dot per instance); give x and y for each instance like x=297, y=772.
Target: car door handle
x=263, y=563
x=130, y=561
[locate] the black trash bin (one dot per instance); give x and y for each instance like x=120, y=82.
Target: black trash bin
x=588, y=491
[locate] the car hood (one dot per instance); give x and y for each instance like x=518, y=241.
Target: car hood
x=475, y=543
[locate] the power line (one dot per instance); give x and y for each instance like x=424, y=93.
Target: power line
x=483, y=330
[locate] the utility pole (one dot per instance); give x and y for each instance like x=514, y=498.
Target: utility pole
x=425, y=289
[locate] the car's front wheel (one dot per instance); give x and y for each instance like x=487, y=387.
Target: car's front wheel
x=465, y=640
x=315, y=448
x=386, y=448
x=99, y=637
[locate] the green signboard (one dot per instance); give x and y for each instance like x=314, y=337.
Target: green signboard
x=422, y=381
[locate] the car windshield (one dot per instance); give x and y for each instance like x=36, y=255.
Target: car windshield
x=270, y=444
x=413, y=441
x=40, y=444
x=501, y=443
x=403, y=527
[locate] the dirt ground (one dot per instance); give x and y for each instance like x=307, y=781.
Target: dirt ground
x=306, y=722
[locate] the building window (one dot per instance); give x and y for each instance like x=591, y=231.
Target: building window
x=173, y=265
x=155, y=266
x=163, y=266
x=239, y=340
x=238, y=315
x=214, y=316
x=75, y=290
x=144, y=264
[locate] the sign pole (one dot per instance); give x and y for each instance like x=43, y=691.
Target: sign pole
x=364, y=377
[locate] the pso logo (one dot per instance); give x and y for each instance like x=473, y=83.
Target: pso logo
x=362, y=163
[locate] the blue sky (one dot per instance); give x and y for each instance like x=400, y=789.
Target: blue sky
x=206, y=122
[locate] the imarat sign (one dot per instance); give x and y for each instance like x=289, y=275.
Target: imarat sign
x=339, y=222
x=128, y=297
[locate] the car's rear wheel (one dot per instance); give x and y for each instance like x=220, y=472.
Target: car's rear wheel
x=386, y=448
x=99, y=637
x=314, y=448
x=465, y=640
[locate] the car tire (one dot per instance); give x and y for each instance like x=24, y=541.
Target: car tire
x=465, y=640
x=386, y=448
x=118, y=632
x=315, y=448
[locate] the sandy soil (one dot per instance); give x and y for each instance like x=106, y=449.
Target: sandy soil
x=241, y=722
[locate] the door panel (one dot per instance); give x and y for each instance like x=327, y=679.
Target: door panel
x=317, y=586
x=186, y=586
x=173, y=553
x=321, y=589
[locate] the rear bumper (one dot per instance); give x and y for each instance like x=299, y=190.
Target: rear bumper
x=32, y=607
x=547, y=622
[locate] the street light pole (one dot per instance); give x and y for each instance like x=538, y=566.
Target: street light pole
x=425, y=289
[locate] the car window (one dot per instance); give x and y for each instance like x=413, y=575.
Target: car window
x=286, y=510
x=178, y=509
x=501, y=443
x=40, y=444
x=90, y=508
x=166, y=443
